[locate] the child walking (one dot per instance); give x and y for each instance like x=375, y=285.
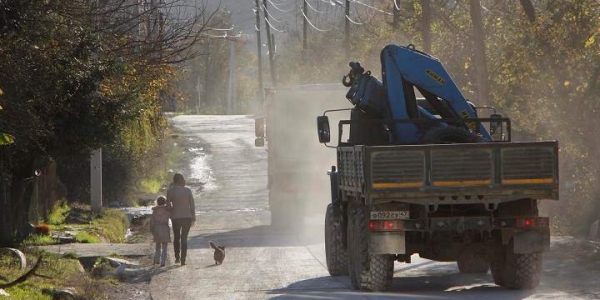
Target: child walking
x=159, y=224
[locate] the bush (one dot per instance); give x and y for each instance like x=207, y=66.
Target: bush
x=59, y=213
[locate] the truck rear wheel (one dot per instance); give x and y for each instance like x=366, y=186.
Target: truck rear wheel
x=368, y=272
x=520, y=271
x=335, y=254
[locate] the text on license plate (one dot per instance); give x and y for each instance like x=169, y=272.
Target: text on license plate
x=390, y=215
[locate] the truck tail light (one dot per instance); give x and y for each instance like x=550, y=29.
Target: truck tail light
x=386, y=225
x=526, y=222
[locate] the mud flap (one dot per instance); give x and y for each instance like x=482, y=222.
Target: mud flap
x=387, y=243
x=531, y=241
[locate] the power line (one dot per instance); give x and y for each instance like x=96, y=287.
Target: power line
x=224, y=36
x=333, y=2
x=314, y=9
x=270, y=15
x=278, y=8
x=313, y=26
x=354, y=22
x=273, y=27
x=220, y=29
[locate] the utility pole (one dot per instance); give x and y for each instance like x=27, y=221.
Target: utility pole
x=483, y=91
x=258, y=45
x=231, y=87
x=199, y=92
x=271, y=43
x=347, y=29
x=396, y=19
x=304, y=26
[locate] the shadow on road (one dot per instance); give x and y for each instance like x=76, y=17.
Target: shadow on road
x=448, y=286
x=257, y=236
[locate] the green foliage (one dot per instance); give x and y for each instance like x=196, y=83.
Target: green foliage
x=546, y=77
x=58, y=214
x=84, y=237
x=25, y=291
x=150, y=185
x=65, y=93
x=6, y=139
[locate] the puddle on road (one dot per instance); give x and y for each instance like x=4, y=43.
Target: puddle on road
x=201, y=174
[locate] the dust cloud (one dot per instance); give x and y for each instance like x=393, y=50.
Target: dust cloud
x=299, y=187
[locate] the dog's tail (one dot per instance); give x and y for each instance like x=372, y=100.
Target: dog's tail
x=212, y=245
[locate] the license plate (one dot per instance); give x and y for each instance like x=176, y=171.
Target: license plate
x=390, y=215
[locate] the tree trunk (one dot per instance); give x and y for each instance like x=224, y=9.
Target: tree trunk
x=6, y=220
x=481, y=72
x=16, y=192
x=426, y=25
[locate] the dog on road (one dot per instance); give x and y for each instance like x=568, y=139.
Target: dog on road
x=219, y=255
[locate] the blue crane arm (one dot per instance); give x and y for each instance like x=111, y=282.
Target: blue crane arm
x=404, y=68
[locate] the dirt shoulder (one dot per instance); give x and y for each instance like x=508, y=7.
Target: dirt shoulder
x=127, y=275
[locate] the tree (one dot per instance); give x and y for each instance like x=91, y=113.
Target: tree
x=83, y=75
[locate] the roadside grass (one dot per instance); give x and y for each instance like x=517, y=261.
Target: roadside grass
x=39, y=240
x=109, y=226
x=56, y=272
x=160, y=167
x=85, y=237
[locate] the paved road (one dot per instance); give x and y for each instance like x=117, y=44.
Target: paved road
x=229, y=176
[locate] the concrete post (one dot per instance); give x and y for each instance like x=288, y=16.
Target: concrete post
x=231, y=86
x=199, y=92
x=96, y=181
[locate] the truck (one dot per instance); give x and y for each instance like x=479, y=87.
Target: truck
x=427, y=175
x=284, y=127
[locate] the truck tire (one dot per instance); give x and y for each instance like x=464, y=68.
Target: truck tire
x=352, y=257
x=519, y=271
x=497, y=269
x=335, y=254
x=449, y=135
x=470, y=263
x=371, y=272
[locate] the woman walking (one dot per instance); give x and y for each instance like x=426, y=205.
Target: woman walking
x=183, y=215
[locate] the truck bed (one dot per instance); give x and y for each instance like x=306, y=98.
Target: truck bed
x=487, y=173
